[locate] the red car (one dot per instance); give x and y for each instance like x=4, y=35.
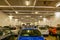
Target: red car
x=52, y=30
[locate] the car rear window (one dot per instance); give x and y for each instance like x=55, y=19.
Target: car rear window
x=30, y=33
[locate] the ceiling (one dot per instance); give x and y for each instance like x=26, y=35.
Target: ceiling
x=45, y=8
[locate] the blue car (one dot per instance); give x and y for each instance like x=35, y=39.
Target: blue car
x=30, y=34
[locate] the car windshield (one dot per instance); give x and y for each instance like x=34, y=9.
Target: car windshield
x=30, y=33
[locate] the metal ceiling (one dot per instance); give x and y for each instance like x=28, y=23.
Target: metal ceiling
x=45, y=8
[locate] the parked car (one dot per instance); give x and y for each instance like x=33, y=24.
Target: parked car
x=44, y=30
x=30, y=34
x=52, y=31
x=14, y=30
x=58, y=31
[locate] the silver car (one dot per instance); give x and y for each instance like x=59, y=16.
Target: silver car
x=44, y=30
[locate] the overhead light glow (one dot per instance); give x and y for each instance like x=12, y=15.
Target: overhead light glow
x=16, y=19
x=36, y=12
x=44, y=19
x=57, y=14
x=40, y=16
x=16, y=12
x=27, y=3
x=28, y=16
x=39, y=21
x=10, y=17
x=58, y=4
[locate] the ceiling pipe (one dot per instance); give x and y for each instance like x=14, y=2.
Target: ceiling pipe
x=26, y=11
x=31, y=6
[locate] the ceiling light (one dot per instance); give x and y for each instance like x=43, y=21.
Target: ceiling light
x=44, y=19
x=58, y=4
x=57, y=14
x=16, y=20
x=36, y=12
x=28, y=16
x=39, y=21
x=40, y=16
x=27, y=3
x=16, y=12
x=10, y=17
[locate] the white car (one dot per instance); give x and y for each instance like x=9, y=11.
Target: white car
x=15, y=31
x=44, y=30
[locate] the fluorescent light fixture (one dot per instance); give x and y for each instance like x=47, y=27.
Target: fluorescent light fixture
x=36, y=12
x=27, y=3
x=44, y=19
x=10, y=17
x=57, y=14
x=39, y=22
x=58, y=4
x=28, y=16
x=16, y=20
x=16, y=12
x=40, y=16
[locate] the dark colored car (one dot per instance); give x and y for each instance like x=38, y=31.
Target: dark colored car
x=30, y=34
x=58, y=30
x=52, y=31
